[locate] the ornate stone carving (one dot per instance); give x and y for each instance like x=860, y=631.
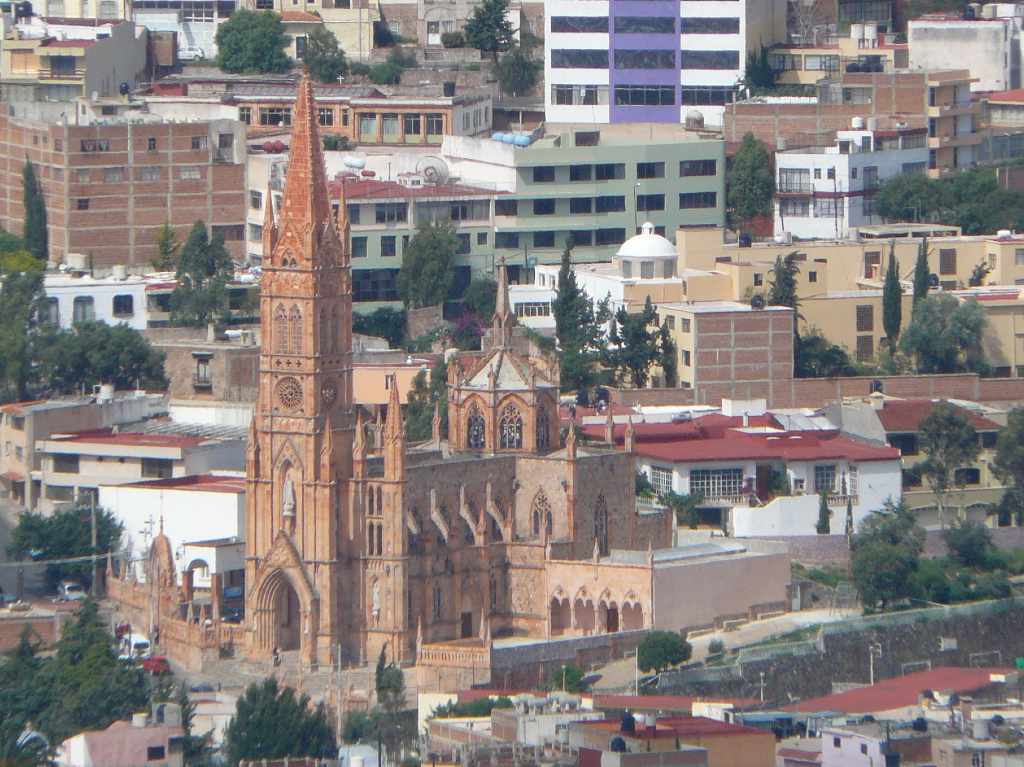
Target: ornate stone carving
x=329, y=392
x=289, y=393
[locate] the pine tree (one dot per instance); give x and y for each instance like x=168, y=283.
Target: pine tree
x=824, y=514
x=668, y=361
x=35, y=234
x=167, y=248
x=892, y=298
x=488, y=28
x=577, y=328
x=750, y=183
x=921, y=272
x=204, y=270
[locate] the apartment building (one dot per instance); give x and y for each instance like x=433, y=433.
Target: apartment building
x=351, y=21
x=823, y=192
x=990, y=41
x=74, y=465
x=939, y=100
x=110, y=186
x=863, y=49
x=423, y=22
x=612, y=61
x=59, y=59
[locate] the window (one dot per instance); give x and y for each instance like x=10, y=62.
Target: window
x=905, y=443
x=648, y=202
x=609, y=171
x=794, y=180
x=661, y=480
x=543, y=239
x=579, y=59
x=988, y=439
x=533, y=309
x=544, y=174
x=698, y=168
x=199, y=143
x=124, y=306
x=711, y=25
x=581, y=172
x=113, y=175
x=827, y=207
x=645, y=25
x=710, y=60
x=649, y=59
x=650, y=170
x=255, y=232
x=836, y=742
x=865, y=347
x=389, y=127
x=255, y=199
x=978, y=759
x=325, y=115
x=798, y=208
x=716, y=483
x=580, y=95
x=153, y=753
x=610, y=204
x=686, y=357
x=228, y=232
x=580, y=205
x=375, y=285
x=51, y=311
x=573, y=24
x=83, y=309
x=684, y=324
x=358, y=247
x=586, y=238
x=190, y=173
x=506, y=207
x=707, y=95
x=865, y=318
x=95, y=145
x=510, y=429
x=481, y=238
x=64, y=463
x=864, y=748
x=544, y=207
x=967, y=476
x=947, y=261
x=244, y=115
x=390, y=212
x=412, y=125
x=506, y=239
x=689, y=200
x=645, y=95
x=276, y=116
x=463, y=244
x=388, y=247
x=82, y=203
x=825, y=479
x=816, y=63
x=758, y=279
x=475, y=429
x=609, y=236
x=435, y=124
x=157, y=468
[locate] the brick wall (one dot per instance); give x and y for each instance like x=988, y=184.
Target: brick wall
x=44, y=628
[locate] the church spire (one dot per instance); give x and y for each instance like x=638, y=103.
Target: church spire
x=269, y=224
x=305, y=205
x=394, y=436
x=504, y=318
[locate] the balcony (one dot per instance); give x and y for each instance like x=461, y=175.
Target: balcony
x=202, y=381
x=795, y=188
x=944, y=142
x=953, y=110
x=62, y=74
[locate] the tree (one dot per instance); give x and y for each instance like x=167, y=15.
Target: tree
x=945, y=335
x=660, y=650
x=668, y=359
x=36, y=237
x=252, y=41
x=428, y=268
x=488, y=28
x=423, y=398
x=922, y=274
x=517, y=71
x=686, y=508
x=167, y=247
x=760, y=75
x=383, y=322
x=480, y=296
x=823, y=527
x=204, y=271
x=1008, y=463
x=750, y=183
x=885, y=553
x=21, y=324
x=892, y=300
x=394, y=728
x=970, y=544
x=567, y=678
x=323, y=58
x=64, y=534
x=92, y=353
x=782, y=288
x=807, y=19
x=949, y=442
x=632, y=346
x=577, y=329
x=816, y=357
x=979, y=273
x=272, y=722
x=907, y=196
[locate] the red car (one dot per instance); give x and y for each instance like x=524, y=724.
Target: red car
x=156, y=665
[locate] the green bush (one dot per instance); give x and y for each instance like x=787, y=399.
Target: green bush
x=930, y=581
x=453, y=40
x=359, y=68
x=716, y=646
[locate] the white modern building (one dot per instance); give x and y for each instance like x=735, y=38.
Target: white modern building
x=117, y=299
x=828, y=192
x=611, y=61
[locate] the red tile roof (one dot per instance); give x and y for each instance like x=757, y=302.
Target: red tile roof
x=905, y=415
x=663, y=702
x=210, y=483
x=128, y=438
x=681, y=727
x=901, y=691
x=1010, y=96
x=370, y=189
x=799, y=755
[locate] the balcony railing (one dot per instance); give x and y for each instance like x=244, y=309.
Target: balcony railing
x=795, y=187
x=201, y=381
x=61, y=74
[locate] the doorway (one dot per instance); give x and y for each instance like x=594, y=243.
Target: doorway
x=467, y=625
x=289, y=620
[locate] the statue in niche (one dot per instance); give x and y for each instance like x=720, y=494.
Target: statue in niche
x=288, y=500
x=375, y=602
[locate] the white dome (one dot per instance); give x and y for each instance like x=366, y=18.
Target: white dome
x=647, y=244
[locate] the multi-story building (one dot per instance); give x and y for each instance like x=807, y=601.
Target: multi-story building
x=823, y=192
x=992, y=43
x=351, y=21
x=58, y=60
x=938, y=100
x=612, y=61
x=864, y=49
x=110, y=186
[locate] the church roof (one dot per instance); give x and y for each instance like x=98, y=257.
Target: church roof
x=511, y=373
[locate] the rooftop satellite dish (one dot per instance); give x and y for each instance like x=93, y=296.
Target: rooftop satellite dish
x=433, y=169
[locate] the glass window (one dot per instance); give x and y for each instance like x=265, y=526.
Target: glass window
x=543, y=239
x=506, y=239
x=581, y=172
x=390, y=212
x=388, y=247
x=275, y=116
x=544, y=174
x=199, y=143
x=708, y=95
x=579, y=59
x=580, y=205
x=325, y=115
x=412, y=125
x=648, y=202
x=157, y=468
x=65, y=463
x=825, y=479
x=610, y=204
x=82, y=203
x=375, y=285
x=865, y=347
x=798, y=208
x=610, y=171
x=506, y=207
x=698, y=168
x=645, y=95
x=358, y=247
x=113, y=175
x=463, y=245
x=543, y=207
x=481, y=238
x=645, y=25
x=124, y=306
x=579, y=24
x=947, y=261
x=689, y=200
x=190, y=173
x=650, y=59
x=865, y=318
x=711, y=25
x=650, y=170
x=83, y=309
x=586, y=238
x=95, y=145
x=389, y=124
x=716, y=483
x=710, y=60
x=255, y=199
x=661, y=480
x=827, y=207
x=435, y=124
x=614, y=236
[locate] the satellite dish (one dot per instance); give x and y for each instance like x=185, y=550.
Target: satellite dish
x=757, y=301
x=433, y=169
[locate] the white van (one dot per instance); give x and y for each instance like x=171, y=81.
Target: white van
x=134, y=646
x=70, y=591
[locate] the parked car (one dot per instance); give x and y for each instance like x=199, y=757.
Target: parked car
x=201, y=687
x=156, y=665
x=70, y=591
x=190, y=53
x=134, y=646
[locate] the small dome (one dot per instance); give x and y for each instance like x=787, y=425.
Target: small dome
x=647, y=244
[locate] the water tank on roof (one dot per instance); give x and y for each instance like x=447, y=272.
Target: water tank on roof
x=522, y=139
x=857, y=123
x=497, y=136
x=744, y=240
x=969, y=13
x=694, y=120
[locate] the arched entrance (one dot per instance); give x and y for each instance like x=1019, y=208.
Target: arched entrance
x=632, y=617
x=560, y=615
x=287, y=618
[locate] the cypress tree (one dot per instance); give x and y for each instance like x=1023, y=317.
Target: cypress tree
x=892, y=297
x=823, y=527
x=921, y=272
x=36, y=240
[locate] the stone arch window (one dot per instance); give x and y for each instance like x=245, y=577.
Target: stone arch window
x=510, y=429
x=380, y=501
x=601, y=524
x=438, y=603
x=475, y=429
x=543, y=429
x=375, y=539
x=493, y=589
x=334, y=329
x=295, y=330
x=280, y=330
x=541, y=513
x=325, y=333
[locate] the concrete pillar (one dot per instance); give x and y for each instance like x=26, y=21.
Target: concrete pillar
x=216, y=590
x=187, y=589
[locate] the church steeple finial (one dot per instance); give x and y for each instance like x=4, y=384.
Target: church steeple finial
x=269, y=224
x=504, y=318
x=305, y=205
x=394, y=436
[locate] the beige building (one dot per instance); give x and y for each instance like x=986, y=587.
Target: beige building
x=351, y=21
x=859, y=51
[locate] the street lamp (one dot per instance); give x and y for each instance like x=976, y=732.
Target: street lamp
x=874, y=651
